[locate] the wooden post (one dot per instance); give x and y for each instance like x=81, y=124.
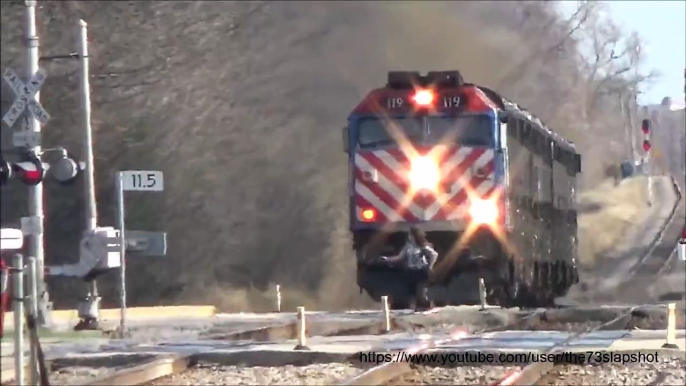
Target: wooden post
x=386, y=314
x=302, y=330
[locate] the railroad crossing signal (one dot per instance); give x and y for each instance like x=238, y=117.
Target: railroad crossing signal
x=645, y=127
x=31, y=171
x=25, y=97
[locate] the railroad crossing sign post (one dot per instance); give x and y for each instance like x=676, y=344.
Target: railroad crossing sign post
x=27, y=96
x=26, y=99
x=136, y=181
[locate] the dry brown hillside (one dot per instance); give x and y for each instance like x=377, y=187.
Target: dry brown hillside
x=241, y=105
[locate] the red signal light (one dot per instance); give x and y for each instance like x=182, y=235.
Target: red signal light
x=645, y=126
x=30, y=173
x=423, y=98
x=646, y=145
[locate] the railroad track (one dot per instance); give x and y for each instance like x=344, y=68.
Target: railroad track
x=194, y=362
x=140, y=366
x=660, y=254
x=404, y=372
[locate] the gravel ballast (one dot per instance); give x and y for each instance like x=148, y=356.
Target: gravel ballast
x=665, y=371
x=320, y=374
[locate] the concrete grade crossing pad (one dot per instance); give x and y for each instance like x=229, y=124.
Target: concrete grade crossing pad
x=348, y=349
x=538, y=340
x=193, y=330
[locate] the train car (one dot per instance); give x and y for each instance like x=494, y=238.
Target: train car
x=489, y=183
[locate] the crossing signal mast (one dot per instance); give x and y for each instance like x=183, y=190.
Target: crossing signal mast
x=645, y=127
x=647, y=146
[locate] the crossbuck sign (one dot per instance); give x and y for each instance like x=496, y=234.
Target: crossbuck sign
x=25, y=97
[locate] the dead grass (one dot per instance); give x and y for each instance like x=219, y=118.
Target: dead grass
x=611, y=211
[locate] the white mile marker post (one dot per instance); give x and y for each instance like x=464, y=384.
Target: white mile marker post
x=302, y=330
x=671, y=327
x=137, y=181
x=482, y=293
x=278, y=298
x=386, y=314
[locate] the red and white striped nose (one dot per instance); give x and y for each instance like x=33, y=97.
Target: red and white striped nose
x=370, y=176
x=424, y=174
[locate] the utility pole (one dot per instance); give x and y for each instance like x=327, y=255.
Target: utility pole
x=35, y=247
x=91, y=209
x=91, y=307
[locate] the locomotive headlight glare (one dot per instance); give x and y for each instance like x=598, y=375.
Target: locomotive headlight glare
x=424, y=174
x=483, y=211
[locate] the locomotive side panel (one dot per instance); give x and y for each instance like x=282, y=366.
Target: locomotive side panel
x=542, y=197
x=561, y=248
x=521, y=196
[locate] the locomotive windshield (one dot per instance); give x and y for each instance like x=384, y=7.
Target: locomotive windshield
x=373, y=131
x=474, y=130
x=468, y=130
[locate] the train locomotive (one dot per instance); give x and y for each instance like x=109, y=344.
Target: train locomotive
x=490, y=185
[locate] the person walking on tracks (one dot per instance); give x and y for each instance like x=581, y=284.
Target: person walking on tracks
x=418, y=257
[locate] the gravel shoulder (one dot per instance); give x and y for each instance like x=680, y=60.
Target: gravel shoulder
x=464, y=375
x=667, y=371
x=206, y=374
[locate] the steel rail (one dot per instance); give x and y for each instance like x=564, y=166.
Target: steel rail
x=533, y=372
x=385, y=372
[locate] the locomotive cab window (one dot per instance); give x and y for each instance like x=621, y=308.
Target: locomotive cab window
x=379, y=132
x=469, y=130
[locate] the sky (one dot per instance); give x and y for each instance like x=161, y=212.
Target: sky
x=662, y=27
